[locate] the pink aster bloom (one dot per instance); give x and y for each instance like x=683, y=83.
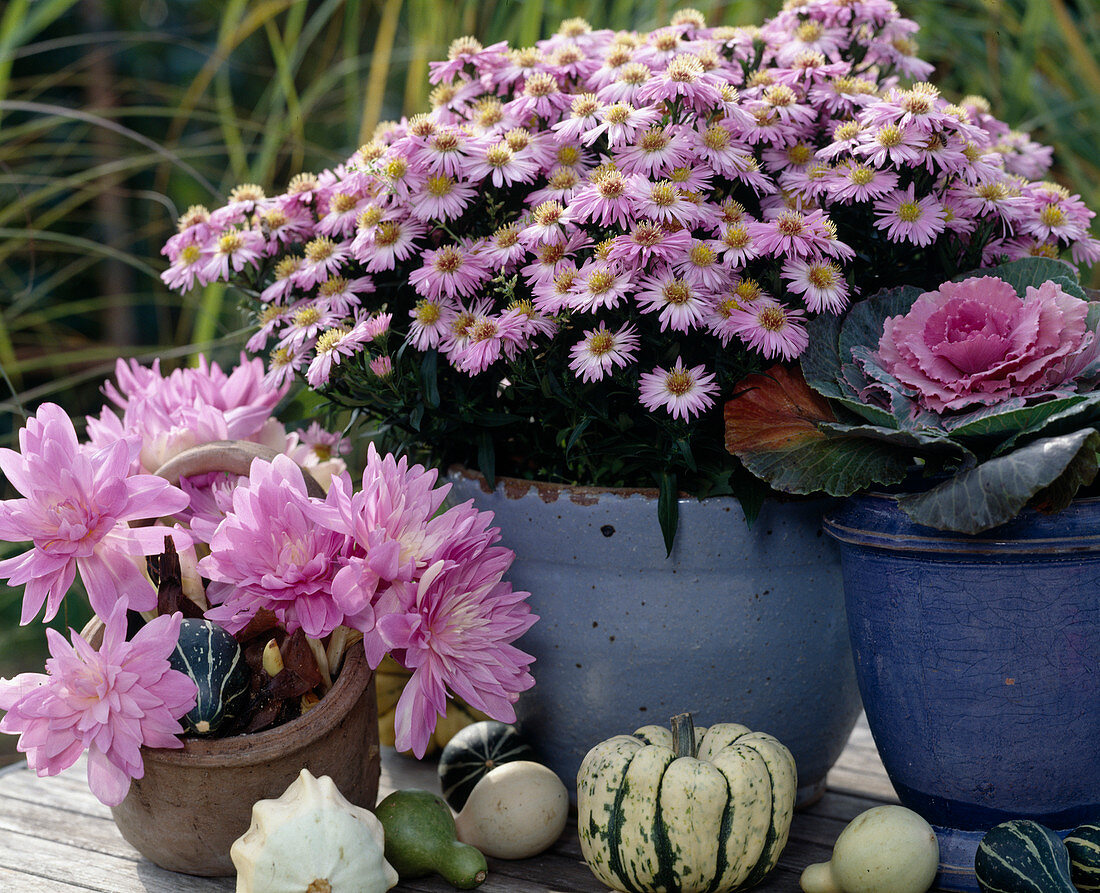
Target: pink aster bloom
x=108, y=702
x=820, y=282
x=599, y=284
x=606, y=201
x=332, y=346
x=450, y=271
x=621, y=121
x=75, y=512
x=909, y=219
x=682, y=392
x=454, y=628
x=602, y=350
x=233, y=250
x=650, y=240
x=431, y=319
x=441, y=196
x=770, y=327
x=655, y=151
x=497, y=163
x=269, y=553
x=486, y=339
x=682, y=305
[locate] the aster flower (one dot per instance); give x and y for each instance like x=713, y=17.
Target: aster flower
x=269, y=553
x=77, y=502
x=233, y=250
x=602, y=350
x=332, y=346
x=599, y=283
x=648, y=240
x=682, y=392
x=770, y=327
x=907, y=218
x=108, y=702
x=682, y=306
x=820, y=282
x=442, y=197
x=451, y=271
x=606, y=200
x=499, y=164
x=656, y=150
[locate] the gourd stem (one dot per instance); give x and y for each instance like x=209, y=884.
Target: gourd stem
x=683, y=735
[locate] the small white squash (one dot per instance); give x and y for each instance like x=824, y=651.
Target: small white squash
x=312, y=840
x=516, y=811
x=885, y=848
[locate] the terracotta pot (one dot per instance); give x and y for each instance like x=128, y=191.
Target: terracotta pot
x=193, y=802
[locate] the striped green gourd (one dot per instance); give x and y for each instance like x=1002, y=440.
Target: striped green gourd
x=473, y=752
x=687, y=810
x=1021, y=856
x=1084, y=857
x=213, y=659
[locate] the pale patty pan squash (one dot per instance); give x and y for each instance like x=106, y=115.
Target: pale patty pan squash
x=685, y=811
x=312, y=840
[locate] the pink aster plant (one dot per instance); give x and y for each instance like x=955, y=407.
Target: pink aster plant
x=387, y=563
x=571, y=222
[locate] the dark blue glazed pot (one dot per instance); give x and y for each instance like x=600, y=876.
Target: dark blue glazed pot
x=978, y=659
x=740, y=624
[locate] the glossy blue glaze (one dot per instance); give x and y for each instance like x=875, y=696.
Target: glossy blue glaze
x=978, y=659
x=739, y=625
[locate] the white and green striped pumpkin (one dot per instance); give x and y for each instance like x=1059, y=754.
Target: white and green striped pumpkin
x=687, y=810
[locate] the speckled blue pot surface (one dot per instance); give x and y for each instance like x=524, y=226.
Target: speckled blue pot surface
x=738, y=625
x=978, y=660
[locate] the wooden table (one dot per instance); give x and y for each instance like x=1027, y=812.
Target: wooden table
x=56, y=837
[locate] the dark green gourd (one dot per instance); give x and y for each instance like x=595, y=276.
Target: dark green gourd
x=213, y=659
x=1084, y=857
x=1022, y=856
x=473, y=752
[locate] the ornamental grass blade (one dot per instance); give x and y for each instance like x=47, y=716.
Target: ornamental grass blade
x=774, y=426
x=996, y=491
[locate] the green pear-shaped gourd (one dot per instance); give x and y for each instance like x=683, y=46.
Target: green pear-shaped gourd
x=420, y=840
x=1021, y=856
x=1084, y=857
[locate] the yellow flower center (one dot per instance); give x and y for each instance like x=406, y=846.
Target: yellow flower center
x=1052, y=216
x=330, y=338
x=499, y=155
x=388, y=233
x=654, y=140
x=701, y=255
x=230, y=242
x=664, y=194
x=506, y=236
x=889, y=136
x=306, y=317
x=440, y=185
x=676, y=292
x=600, y=281
x=823, y=276
x=772, y=318
x=427, y=313
x=618, y=113
x=342, y=202
x=909, y=212
x=448, y=260
x=319, y=249
x=678, y=382
x=600, y=342
x=190, y=254
x=548, y=213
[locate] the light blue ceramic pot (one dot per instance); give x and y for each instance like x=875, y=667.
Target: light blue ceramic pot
x=738, y=625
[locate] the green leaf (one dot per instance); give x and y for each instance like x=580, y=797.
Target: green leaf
x=668, y=508
x=576, y=435
x=863, y=324
x=1032, y=271
x=486, y=458
x=821, y=360
x=429, y=377
x=839, y=466
x=995, y=491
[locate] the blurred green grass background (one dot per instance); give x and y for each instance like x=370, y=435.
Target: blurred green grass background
x=115, y=115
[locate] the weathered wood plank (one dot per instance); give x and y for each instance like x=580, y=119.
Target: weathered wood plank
x=55, y=836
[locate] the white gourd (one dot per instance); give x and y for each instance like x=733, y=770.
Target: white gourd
x=885, y=848
x=312, y=840
x=516, y=811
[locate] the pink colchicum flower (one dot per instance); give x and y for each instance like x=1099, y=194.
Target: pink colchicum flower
x=108, y=702
x=976, y=343
x=454, y=628
x=77, y=503
x=268, y=552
